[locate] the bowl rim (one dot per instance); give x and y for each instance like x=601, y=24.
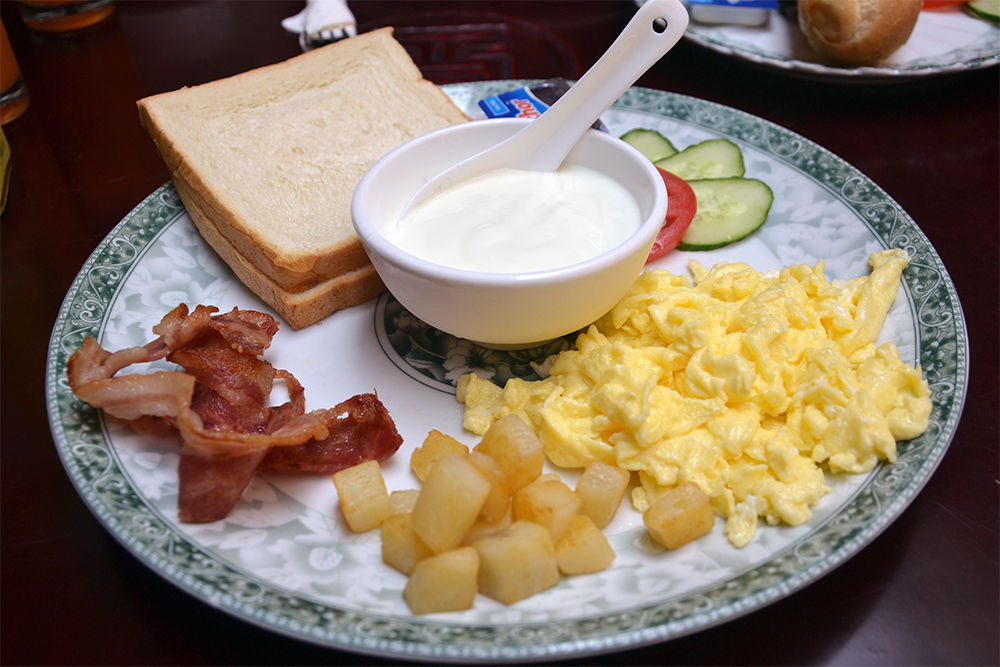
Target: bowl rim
x=375, y=242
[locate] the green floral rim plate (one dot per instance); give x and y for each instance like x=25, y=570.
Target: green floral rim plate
x=283, y=559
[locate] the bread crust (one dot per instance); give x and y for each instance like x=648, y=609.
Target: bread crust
x=272, y=156
x=854, y=33
x=298, y=309
x=351, y=256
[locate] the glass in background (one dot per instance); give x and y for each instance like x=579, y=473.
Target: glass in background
x=14, y=96
x=5, y=169
x=64, y=15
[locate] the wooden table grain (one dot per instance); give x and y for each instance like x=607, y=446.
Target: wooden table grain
x=924, y=592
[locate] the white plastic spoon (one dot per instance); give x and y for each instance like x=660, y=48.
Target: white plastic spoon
x=545, y=142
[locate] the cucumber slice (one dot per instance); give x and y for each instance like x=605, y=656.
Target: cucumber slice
x=715, y=158
x=986, y=9
x=728, y=210
x=650, y=143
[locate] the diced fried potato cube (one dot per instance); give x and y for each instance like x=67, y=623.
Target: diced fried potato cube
x=435, y=446
x=549, y=503
x=583, y=548
x=481, y=529
x=682, y=515
x=363, y=496
x=516, y=448
x=548, y=477
x=402, y=549
x=601, y=488
x=449, y=502
x=498, y=501
x=403, y=500
x=517, y=562
x=445, y=582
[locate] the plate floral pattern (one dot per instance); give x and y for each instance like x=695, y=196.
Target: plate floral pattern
x=943, y=41
x=284, y=559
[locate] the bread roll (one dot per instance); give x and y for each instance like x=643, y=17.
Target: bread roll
x=853, y=33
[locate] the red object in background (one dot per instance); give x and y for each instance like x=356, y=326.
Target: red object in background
x=682, y=204
x=459, y=46
x=64, y=15
x=933, y=4
x=14, y=98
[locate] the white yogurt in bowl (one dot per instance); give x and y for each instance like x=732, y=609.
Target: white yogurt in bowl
x=514, y=221
x=518, y=307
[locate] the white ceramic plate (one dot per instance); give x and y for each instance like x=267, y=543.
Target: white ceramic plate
x=944, y=40
x=284, y=560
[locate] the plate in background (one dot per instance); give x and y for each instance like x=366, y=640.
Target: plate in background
x=944, y=41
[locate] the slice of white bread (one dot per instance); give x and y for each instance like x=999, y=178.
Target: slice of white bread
x=271, y=157
x=298, y=309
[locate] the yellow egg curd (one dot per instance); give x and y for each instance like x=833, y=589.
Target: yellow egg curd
x=748, y=384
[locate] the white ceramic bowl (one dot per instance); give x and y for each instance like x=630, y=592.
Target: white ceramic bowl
x=503, y=310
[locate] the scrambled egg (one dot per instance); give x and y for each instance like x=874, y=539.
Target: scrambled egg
x=748, y=384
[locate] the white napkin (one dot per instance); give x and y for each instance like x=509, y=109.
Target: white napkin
x=322, y=21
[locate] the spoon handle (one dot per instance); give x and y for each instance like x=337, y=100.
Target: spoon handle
x=637, y=48
x=544, y=142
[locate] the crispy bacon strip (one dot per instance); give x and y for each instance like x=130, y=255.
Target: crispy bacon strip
x=220, y=406
x=360, y=430
x=211, y=486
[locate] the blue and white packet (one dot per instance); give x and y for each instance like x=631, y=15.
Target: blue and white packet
x=733, y=12
x=529, y=101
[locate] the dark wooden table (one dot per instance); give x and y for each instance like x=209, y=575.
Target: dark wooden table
x=924, y=592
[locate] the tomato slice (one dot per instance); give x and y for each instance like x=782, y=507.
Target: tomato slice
x=681, y=207
x=934, y=4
